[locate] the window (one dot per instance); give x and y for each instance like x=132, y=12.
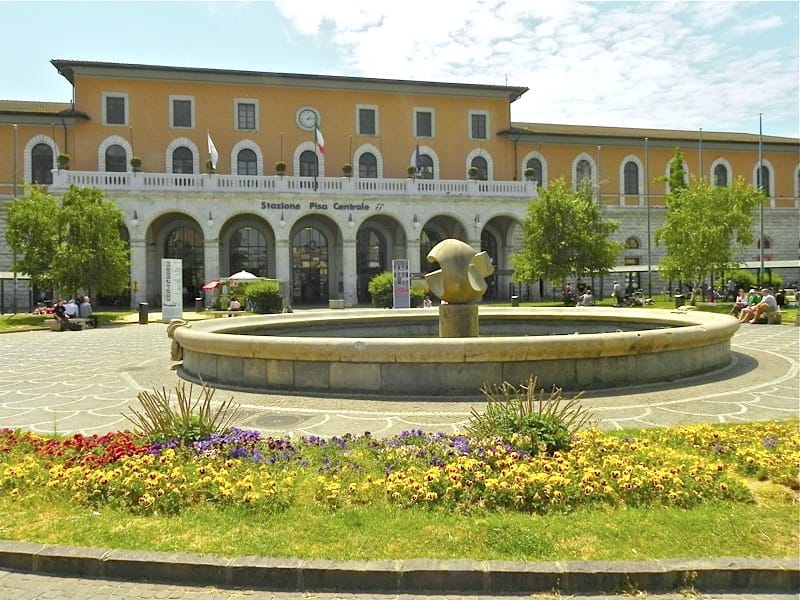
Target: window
x=478, y=126
x=632, y=243
x=583, y=173
x=246, y=162
x=536, y=165
x=308, y=164
x=367, y=120
x=721, y=176
x=246, y=116
x=42, y=164
x=182, y=160
x=631, y=179
x=116, y=159
x=763, y=179
x=248, y=251
x=367, y=166
x=483, y=168
x=423, y=123
x=182, y=111
x=115, y=109
x=425, y=167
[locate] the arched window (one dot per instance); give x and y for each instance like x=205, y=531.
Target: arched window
x=246, y=163
x=371, y=258
x=248, y=251
x=182, y=160
x=186, y=243
x=482, y=166
x=631, y=178
x=425, y=167
x=536, y=165
x=763, y=179
x=367, y=166
x=116, y=159
x=583, y=173
x=632, y=243
x=308, y=164
x=721, y=176
x=42, y=164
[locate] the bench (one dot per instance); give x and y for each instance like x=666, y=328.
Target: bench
x=224, y=313
x=74, y=324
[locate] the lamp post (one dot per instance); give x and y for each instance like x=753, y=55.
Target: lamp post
x=760, y=183
x=647, y=206
x=14, y=196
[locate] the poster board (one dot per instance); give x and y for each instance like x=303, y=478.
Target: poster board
x=171, y=289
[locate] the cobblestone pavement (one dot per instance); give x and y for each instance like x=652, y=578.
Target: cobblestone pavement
x=85, y=381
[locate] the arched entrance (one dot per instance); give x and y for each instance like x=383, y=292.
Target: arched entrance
x=489, y=245
x=371, y=259
x=310, y=263
x=185, y=242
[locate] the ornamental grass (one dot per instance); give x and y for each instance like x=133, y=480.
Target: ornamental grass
x=680, y=467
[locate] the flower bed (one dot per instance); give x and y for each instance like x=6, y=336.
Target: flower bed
x=660, y=467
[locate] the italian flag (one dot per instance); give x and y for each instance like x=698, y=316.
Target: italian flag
x=320, y=140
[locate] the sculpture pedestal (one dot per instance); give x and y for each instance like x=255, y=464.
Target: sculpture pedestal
x=458, y=320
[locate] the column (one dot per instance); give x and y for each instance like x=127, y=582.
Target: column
x=211, y=259
x=349, y=272
x=138, y=272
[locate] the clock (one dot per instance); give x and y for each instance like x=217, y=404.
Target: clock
x=307, y=118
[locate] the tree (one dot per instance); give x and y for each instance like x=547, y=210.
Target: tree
x=677, y=174
x=565, y=234
x=705, y=226
x=70, y=245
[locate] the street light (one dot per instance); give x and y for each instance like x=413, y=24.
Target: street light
x=647, y=205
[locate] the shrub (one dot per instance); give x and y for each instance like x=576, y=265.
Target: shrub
x=744, y=279
x=189, y=420
x=264, y=296
x=380, y=290
x=527, y=420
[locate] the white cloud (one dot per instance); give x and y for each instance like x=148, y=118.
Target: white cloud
x=649, y=64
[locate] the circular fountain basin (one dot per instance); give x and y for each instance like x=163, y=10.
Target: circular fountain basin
x=396, y=353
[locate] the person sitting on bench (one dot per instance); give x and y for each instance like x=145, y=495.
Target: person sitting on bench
x=768, y=306
x=60, y=314
x=85, y=312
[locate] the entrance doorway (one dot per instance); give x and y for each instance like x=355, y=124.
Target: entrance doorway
x=309, y=267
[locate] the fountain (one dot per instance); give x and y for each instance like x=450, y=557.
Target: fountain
x=397, y=353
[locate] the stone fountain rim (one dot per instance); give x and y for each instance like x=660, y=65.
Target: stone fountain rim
x=687, y=329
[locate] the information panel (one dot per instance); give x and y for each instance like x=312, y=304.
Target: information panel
x=171, y=289
x=401, y=293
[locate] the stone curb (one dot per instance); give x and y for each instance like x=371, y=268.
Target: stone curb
x=732, y=575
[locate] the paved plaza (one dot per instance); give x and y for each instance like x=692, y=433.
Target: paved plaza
x=86, y=381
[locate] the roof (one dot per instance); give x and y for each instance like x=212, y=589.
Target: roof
x=584, y=131
x=24, y=107
x=69, y=68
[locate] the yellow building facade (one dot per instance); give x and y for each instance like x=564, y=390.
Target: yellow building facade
x=375, y=170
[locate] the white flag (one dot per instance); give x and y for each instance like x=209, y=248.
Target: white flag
x=212, y=152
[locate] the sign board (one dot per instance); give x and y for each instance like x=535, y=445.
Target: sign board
x=401, y=282
x=171, y=289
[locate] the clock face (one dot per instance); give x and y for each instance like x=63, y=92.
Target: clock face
x=307, y=118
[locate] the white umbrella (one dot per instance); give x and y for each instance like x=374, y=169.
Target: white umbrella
x=241, y=276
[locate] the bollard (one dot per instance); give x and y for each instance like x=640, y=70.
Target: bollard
x=143, y=316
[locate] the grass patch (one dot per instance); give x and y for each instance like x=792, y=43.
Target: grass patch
x=362, y=533
x=28, y=322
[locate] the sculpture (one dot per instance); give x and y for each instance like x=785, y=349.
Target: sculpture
x=462, y=273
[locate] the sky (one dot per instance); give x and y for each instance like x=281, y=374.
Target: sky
x=713, y=66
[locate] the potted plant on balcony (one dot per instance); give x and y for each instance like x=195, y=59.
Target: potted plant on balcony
x=473, y=173
x=63, y=161
x=210, y=167
x=136, y=163
x=280, y=168
x=412, y=171
x=347, y=169
x=528, y=174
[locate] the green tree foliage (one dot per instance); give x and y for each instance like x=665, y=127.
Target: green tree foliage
x=74, y=244
x=677, y=174
x=263, y=296
x=382, y=294
x=705, y=226
x=565, y=234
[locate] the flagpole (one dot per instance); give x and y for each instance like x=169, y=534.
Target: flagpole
x=761, y=204
x=14, y=192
